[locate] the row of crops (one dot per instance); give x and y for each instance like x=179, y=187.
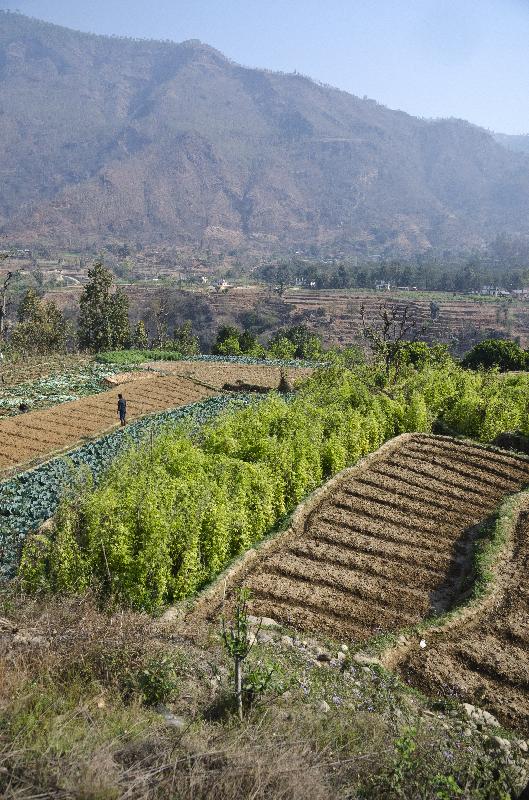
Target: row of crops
x=32, y=497
x=130, y=357
x=168, y=518
x=72, y=384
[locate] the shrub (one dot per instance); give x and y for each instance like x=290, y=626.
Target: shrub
x=496, y=353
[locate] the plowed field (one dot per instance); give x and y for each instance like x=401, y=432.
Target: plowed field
x=386, y=544
x=34, y=436
x=218, y=373
x=486, y=662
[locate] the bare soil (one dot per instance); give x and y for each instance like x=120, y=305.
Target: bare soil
x=485, y=662
x=36, y=435
x=218, y=373
x=388, y=547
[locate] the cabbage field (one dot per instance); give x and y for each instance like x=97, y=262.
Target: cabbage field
x=44, y=392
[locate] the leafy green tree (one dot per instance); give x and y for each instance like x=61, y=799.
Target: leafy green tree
x=500, y=353
x=140, y=337
x=227, y=341
x=42, y=328
x=29, y=306
x=281, y=347
x=421, y=354
x=228, y=347
x=103, y=317
x=185, y=342
x=304, y=343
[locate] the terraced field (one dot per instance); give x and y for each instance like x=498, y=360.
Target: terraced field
x=386, y=543
x=486, y=662
x=217, y=374
x=458, y=321
x=35, y=436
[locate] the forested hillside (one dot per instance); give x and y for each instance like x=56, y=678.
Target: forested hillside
x=111, y=139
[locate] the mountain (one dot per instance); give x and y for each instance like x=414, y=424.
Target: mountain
x=108, y=139
x=517, y=143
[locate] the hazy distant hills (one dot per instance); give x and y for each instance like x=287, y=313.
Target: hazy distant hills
x=114, y=139
x=519, y=144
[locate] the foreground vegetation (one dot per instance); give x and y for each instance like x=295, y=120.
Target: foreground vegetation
x=173, y=512
x=105, y=707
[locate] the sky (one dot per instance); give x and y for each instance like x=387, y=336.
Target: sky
x=431, y=58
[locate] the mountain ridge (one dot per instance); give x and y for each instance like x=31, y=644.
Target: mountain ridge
x=107, y=138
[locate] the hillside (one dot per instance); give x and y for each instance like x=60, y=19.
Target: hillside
x=516, y=143
x=111, y=139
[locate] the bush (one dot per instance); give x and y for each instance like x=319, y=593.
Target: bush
x=496, y=353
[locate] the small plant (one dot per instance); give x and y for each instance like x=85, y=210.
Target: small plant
x=157, y=680
x=284, y=385
x=238, y=642
x=405, y=747
x=258, y=679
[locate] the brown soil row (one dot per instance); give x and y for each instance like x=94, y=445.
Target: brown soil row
x=485, y=662
x=218, y=373
x=386, y=545
x=37, y=435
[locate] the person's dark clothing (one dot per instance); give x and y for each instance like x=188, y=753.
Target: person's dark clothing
x=122, y=409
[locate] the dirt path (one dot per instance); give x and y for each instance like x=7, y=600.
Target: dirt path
x=389, y=545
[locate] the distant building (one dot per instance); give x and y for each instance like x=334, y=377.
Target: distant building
x=382, y=286
x=493, y=291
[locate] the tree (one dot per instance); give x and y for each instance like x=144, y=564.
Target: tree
x=238, y=642
x=42, y=328
x=421, y=354
x=387, y=335
x=140, y=338
x=281, y=347
x=303, y=343
x=184, y=340
x=103, y=317
x=227, y=341
x=29, y=306
x=4, y=294
x=500, y=353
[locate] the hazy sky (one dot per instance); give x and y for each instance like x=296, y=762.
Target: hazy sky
x=463, y=58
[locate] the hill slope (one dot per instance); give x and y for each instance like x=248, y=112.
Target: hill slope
x=106, y=138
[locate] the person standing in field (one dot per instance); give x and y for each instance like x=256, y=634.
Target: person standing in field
x=122, y=409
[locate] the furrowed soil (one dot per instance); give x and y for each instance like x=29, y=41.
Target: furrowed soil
x=386, y=545
x=217, y=373
x=485, y=662
x=37, y=435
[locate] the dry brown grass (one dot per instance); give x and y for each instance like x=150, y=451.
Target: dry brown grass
x=71, y=726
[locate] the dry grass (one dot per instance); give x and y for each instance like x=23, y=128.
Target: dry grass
x=72, y=725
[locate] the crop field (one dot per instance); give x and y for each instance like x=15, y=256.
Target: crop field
x=29, y=368
x=486, y=662
x=36, y=435
x=389, y=543
x=70, y=383
x=218, y=373
x=462, y=321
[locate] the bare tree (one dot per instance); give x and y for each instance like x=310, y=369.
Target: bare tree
x=387, y=333
x=4, y=294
